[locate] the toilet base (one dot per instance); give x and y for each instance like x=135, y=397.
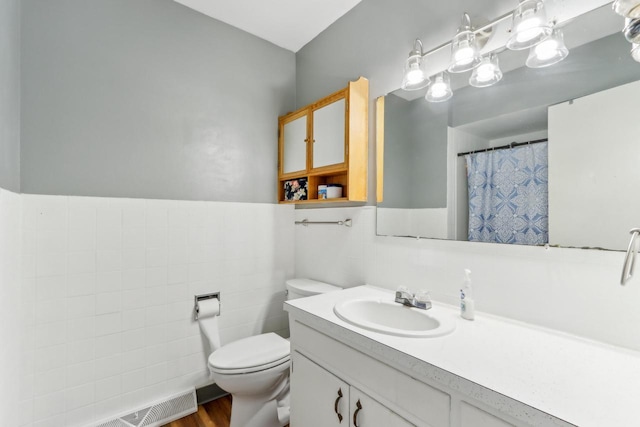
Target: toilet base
x=259, y=399
x=249, y=412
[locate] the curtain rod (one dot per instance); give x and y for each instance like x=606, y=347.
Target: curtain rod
x=504, y=147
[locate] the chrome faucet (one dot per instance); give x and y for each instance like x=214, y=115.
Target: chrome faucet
x=420, y=300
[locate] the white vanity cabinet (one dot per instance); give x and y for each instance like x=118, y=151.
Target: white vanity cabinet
x=486, y=373
x=320, y=399
x=329, y=378
x=322, y=366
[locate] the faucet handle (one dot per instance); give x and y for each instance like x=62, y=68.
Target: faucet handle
x=423, y=295
x=423, y=299
x=404, y=290
x=404, y=296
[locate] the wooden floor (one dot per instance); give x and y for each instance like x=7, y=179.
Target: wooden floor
x=216, y=413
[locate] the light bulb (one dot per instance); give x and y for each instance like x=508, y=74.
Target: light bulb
x=415, y=74
x=487, y=73
x=465, y=54
x=547, y=49
x=440, y=89
x=529, y=25
x=464, y=49
x=548, y=52
x=528, y=29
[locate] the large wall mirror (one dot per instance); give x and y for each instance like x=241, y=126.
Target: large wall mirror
x=575, y=125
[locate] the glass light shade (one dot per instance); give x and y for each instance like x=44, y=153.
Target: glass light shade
x=549, y=52
x=628, y=8
x=635, y=52
x=464, y=50
x=439, y=89
x=632, y=30
x=530, y=25
x=414, y=75
x=487, y=73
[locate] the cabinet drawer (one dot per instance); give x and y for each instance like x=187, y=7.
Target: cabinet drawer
x=412, y=399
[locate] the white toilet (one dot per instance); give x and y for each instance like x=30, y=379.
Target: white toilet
x=255, y=370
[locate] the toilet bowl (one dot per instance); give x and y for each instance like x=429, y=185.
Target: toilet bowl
x=255, y=370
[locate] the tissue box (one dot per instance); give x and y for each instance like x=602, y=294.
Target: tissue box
x=295, y=189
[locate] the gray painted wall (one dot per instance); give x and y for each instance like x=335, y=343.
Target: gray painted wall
x=397, y=137
x=415, y=175
x=10, y=94
x=150, y=99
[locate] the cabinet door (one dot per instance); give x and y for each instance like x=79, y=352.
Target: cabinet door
x=329, y=134
x=294, y=156
x=366, y=412
x=318, y=398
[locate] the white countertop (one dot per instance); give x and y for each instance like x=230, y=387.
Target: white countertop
x=582, y=382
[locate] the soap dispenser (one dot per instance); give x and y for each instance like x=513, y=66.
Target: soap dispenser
x=467, y=305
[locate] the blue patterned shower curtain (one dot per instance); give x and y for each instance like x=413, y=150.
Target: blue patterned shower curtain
x=509, y=196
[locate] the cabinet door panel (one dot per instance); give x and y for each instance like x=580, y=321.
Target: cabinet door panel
x=366, y=412
x=295, y=145
x=315, y=396
x=328, y=134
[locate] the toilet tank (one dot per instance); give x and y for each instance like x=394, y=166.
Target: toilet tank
x=300, y=288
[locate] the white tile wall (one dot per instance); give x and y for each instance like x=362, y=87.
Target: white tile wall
x=11, y=331
x=571, y=290
x=108, y=289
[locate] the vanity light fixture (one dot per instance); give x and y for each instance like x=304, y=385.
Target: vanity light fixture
x=465, y=54
x=487, y=73
x=530, y=25
x=627, y=8
x=415, y=76
x=440, y=89
x=549, y=52
x=632, y=30
x=635, y=52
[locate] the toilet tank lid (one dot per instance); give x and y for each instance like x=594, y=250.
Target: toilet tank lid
x=310, y=287
x=249, y=352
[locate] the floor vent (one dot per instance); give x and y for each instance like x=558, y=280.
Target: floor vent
x=158, y=414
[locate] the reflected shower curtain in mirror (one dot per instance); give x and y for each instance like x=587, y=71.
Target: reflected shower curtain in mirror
x=509, y=195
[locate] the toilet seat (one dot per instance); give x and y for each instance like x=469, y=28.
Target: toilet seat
x=252, y=354
x=251, y=369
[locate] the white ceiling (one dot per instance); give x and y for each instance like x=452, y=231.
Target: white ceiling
x=286, y=23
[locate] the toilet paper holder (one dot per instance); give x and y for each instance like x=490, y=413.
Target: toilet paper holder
x=203, y=297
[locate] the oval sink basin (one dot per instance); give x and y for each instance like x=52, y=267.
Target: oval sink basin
x=391, y=318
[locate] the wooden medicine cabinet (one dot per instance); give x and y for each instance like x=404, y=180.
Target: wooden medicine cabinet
x=325, y=143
